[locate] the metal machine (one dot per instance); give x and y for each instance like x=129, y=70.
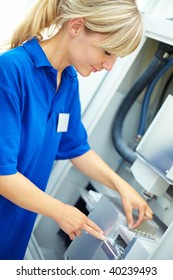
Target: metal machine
x=121, y=242
x=153, y=170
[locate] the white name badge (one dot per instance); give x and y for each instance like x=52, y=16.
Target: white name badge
x=63, y=121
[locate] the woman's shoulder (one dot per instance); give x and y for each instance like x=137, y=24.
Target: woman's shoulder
x=12, y=58
x=13, y=63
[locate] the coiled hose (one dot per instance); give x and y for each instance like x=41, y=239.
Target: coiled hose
x=159, y=60
x=145, y=104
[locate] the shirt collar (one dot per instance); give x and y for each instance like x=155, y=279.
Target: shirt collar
x=36, y=53
x=40, y=59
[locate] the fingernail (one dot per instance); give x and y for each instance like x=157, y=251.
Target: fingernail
x=102, y=237
x=130, y=226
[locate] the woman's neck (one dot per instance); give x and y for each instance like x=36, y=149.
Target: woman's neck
x=56, y=50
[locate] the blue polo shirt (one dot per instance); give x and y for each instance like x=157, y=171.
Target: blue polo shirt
x=32, y=136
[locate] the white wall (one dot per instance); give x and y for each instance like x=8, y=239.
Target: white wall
x=11, y=12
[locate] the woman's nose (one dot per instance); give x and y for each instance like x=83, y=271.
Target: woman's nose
x=107, y=65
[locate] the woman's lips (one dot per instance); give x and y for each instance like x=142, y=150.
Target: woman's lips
x=93, y=69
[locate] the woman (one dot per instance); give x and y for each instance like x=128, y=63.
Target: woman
x=40, y=112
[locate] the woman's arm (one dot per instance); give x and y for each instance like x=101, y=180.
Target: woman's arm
x=19, y=190
x=94, y=167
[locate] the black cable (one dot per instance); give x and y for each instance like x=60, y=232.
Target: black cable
x=153, y=68
x=163, y=93
x=146, y=99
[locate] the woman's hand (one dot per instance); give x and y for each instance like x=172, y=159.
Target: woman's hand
x=94, y=167
x=72, y=221
x=131, y=200
x=25, y=194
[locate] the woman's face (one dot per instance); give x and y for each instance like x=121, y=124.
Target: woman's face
x=85, y=56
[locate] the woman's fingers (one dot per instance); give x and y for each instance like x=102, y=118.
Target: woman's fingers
x=143, y=213
x=73, y=222
x=91, y=228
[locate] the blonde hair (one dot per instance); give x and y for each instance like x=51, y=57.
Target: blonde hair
x=120, y=19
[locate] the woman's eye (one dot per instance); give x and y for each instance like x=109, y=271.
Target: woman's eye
x=107, y=53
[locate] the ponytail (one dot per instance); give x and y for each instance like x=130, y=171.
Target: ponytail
x=41, y=16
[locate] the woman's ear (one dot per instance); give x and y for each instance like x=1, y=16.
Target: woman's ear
x=75, y=26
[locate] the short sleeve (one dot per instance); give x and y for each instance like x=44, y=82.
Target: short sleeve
x=10, y=116
x=10, y=127
x=74, y=142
